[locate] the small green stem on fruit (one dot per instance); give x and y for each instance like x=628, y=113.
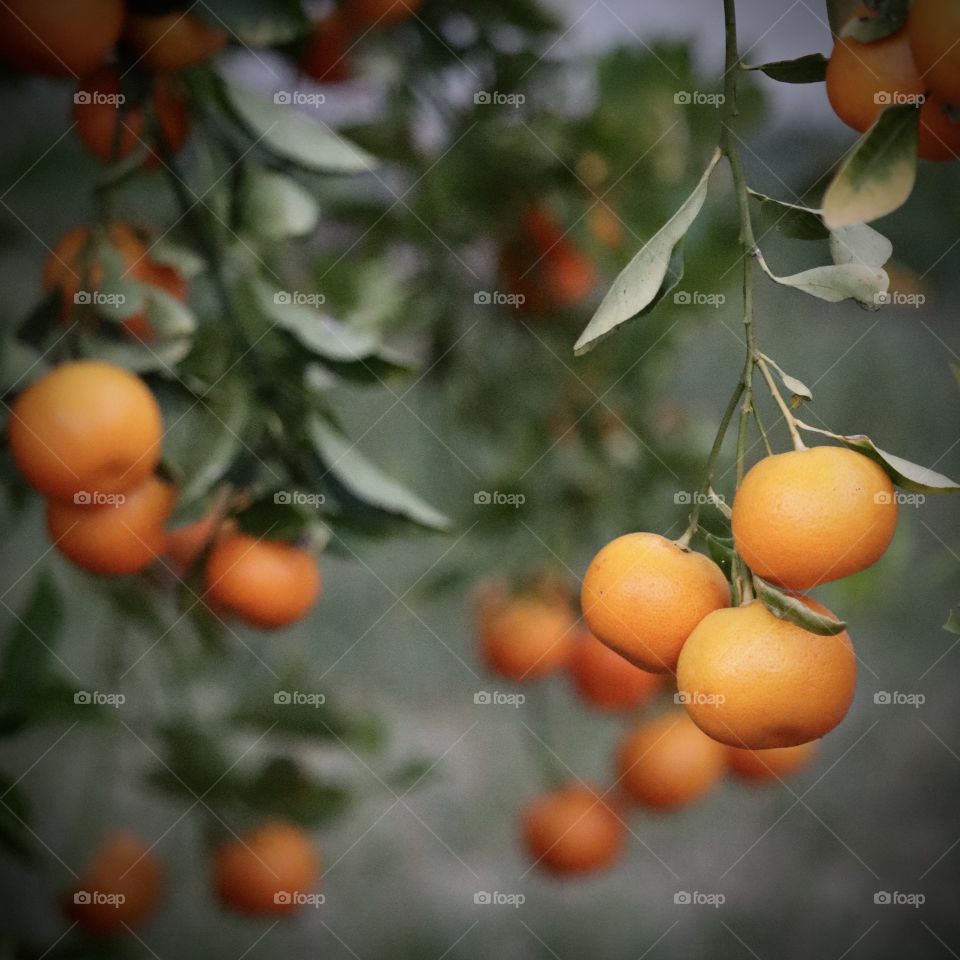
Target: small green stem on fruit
x=788, y=416
x=762, y=429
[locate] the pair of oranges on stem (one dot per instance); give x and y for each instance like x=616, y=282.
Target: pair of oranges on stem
x=88, y=436
x=266, y=872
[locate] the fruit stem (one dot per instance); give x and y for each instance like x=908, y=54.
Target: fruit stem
x=791, y=420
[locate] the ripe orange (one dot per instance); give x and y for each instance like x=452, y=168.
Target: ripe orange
x=71, y=267
x=379, y=13
x=61, y=37
x=668, y=762
x=173, y=41
x=606, y=680
x=267, y=871
x=119, y=887
x=754, y=681
x=526, y=637
x=642, y=595
x=939, y=132
x=863, y=79
x=266, y=582
x=86, y=427
x=120, y=538
x=759, y=766
x=324, y=55
x=810, y=516
x=572, y=830
x=934, y=27
x=114, y=131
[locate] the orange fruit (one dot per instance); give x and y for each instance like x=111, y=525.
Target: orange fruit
x=114, y=130
x=668, y=762
x=61, y=37
x=172, y=41
x=119, y=887
x=606, y=680
x=863, y=79
x=572, y=830
x=86, y=427
x=605, y=226
x=265, y=582
x=364, y=14
x=526, y=637
x=939, y=132
x=114, y=538
x=758, y=766
x=754, y=681
x=810, y=516
x=934, y=28
x=71, y=267
x=324, y=55
x=642, y=595
x=267, y=871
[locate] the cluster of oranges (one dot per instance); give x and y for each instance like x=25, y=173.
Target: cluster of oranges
x=918, y=63
x=270, y=871
x=88, y=436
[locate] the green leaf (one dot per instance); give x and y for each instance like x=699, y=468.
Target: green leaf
x=722, y=551
x=643, y=280
x=879, y=174
x=860, y=243
x=204, y=435
x=809, y=69
x=801, y=223
x=282, y=788
x=276, y=207
x=798, y=389
x=953, y=622
x=909, y=476
x=848, y=281
x=839, y=12
x=366, y=482
x=294, y=136
x=193, y=766
x=786, y=607
x=272, y=516
x=256, y=23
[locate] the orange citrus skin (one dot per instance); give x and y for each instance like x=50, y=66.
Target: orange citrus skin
x=97, y=122
x=172, y=42
x=642, y=595
x=607, y=681
x=526, y=638
x=754, y=681
x=572, y=831
x=267, y=583
x=86, y=427
x=325, y=55
x=771, y=766
x=123, y=866
x=939, y=132
x=859, y=73
x=668, y=762
x=114, y=539
x=262, y=873
x=59, y=37
x=810, y=516
x=934, y=27
x=380, y=13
